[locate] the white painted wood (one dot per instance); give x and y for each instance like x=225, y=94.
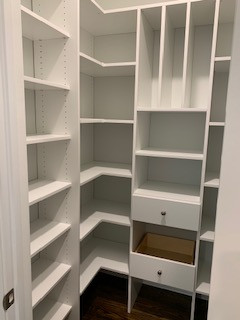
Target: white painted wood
x=100, y=253
x=92, y=120
x=44, y=232
x=97, y=211
x=204, y=269
x=51, y=310
x=226, y=248
x=38, y=84
x=46, y=275
x=35, y=27
x=96, y=68
x=140, y=109
x=43, y=189
x=212, y=179
x=217, y=124
x=173, y=154
x=35, y=139
x=178, y=214
x=174, y=274
x=223, y=64
x=94, y=170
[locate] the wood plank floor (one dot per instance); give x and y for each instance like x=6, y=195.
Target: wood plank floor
x=106, y=299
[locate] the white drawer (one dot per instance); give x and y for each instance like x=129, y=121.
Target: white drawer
x=167, y=213
x=161, y=271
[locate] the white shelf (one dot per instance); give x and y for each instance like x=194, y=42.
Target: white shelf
x=174, y=154
x=51, y=310
x=203, y=283
x=95, y=68
x=44, y=232
x=38, y=84
x=212, y=180
x=43, y=138
x=46, y=275
x=172, y=110
x=117, y=121
x=43, y=189
x=35, y=27
x=216, y=124
x=207, y=229
x=102, y=254
x=98, y=211
x=222, y=64
x=94, y=170
x=185, y=193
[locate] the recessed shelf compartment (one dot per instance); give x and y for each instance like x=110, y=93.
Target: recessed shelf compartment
x=222, y=64
x=107, y=249
x=51, y=310
x=39, y=84
x=163, y=135
x=44, y=232
x=204, y=270
x=43, y=189
x=95, y=68
x=44, y=138
x=46, y=275
x=173, y=179
x=212, y=179
x=35, y=27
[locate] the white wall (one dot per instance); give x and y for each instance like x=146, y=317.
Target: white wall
x=224, y=293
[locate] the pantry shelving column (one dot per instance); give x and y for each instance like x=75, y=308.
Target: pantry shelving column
x=107, y=65
x=50, y=51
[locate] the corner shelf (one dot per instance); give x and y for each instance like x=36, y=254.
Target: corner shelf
x=51, y=310
x=96, y=68
x=94, y=170
x=38, y=84
x=174, y=154
x=102, y=254
x=44, y=232
x=46, y=275
x=173, y=191
x=203, y=283
x=43, y=189
x=43, y=138
x=34, y=27
x=212, y=180
x=98, y=211
x=93, y=120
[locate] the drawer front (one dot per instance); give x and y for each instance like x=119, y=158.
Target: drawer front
x=166, y=213
x=161, y=271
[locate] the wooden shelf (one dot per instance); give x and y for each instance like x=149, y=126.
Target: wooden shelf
x=174, y=154
x=102, y=254
x=117, y=121
x=94, y=170
x=207, y=229
x=216, y=124
x=43, y=138
x=222, y=64
x=172, y=110
x=212, y=180
x=35, y=27
x=44, y=232
x=185, y=193
x=43, y=189
x=51, y=310
x=98, y=211
x=46, y=275
x=95, y=68
x=38, y=84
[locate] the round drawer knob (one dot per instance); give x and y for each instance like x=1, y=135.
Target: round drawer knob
x=159, y=272
x=163, y=213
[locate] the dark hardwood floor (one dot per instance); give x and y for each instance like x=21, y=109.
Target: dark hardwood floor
x=106, y=298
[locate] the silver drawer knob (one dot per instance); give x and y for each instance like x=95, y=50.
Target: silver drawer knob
x=159, y=272
x=163, y=213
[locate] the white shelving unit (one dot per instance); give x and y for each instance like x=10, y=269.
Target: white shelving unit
x=124, y=112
